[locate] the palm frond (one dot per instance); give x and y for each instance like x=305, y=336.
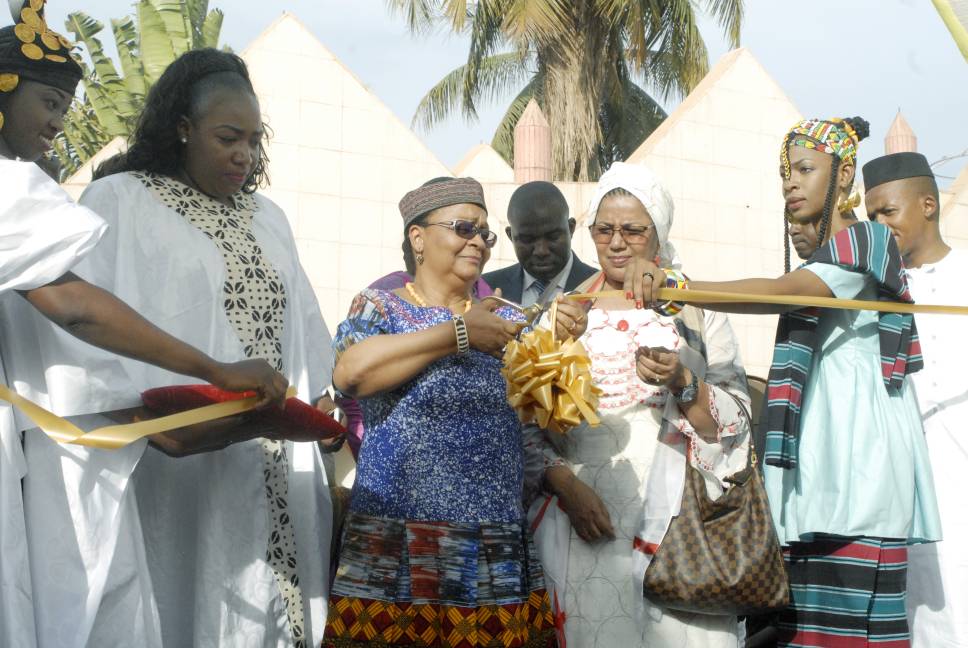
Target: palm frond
x=485, y=35
x=197, y=13
x=212, y=29
x=421, y=15
x=126, y=39
x=729, y=14
x=175, y=19
x=496, y=75
x=629, y=116
x=503, y=140
x=537, y=21
x=156, y=48
x=85, y=29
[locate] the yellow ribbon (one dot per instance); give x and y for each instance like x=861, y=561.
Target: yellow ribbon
x=112, y=437
x=549, y=383
x=717, y=297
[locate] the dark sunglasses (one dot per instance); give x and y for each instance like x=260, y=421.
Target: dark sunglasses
x=468, y=230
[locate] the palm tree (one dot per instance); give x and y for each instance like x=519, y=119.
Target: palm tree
x=581, y=60
x=160, y=32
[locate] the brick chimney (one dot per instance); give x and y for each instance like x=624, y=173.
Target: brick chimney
x=532, y=146
x=900, y=138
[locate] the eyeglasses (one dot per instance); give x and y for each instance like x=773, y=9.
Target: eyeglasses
x=468, y=230
x=631, y=234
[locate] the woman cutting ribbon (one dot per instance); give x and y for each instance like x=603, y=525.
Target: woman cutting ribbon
x=847, y=467
x=226, y=547
x=672, y=388
x=435, y=546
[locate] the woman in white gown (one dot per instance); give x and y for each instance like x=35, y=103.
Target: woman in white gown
x=672, y=387
x=224, y=548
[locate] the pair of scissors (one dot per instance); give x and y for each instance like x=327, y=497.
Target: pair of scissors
x=532, y=314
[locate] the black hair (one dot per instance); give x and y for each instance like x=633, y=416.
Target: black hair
x=181, y=92
x=862, y=129
x=537, y=195
x=409, y=259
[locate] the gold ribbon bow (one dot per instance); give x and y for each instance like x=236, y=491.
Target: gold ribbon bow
x=549, y=383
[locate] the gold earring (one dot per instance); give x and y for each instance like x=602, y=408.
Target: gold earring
x=849, y=203
x=420, y=259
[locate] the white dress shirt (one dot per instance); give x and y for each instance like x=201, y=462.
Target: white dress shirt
x=532, y=290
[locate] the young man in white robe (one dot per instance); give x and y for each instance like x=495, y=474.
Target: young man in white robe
x=902, y=194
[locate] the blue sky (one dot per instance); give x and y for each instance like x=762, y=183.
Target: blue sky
x=855, y=57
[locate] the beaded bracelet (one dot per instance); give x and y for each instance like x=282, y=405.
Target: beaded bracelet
x=674, y=279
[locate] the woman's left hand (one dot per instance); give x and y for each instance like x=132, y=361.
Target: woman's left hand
x=572, y=319
x=660, y=366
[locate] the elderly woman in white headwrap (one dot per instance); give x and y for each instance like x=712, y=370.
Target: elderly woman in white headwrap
x=672, y=387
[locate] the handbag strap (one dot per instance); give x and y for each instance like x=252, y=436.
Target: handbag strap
x=751, y=459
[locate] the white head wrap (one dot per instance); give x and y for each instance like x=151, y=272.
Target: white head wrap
x=642, y=183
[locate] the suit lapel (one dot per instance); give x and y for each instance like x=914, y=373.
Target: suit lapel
x=516, y=285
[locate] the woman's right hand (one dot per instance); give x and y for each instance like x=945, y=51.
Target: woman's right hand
x=488, y=332
x=585, y=509
x=257, y=375
x=643, y=279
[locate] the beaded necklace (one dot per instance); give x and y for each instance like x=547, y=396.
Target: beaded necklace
x=420, y=300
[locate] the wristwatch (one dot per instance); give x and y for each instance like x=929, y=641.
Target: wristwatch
x=688, y=393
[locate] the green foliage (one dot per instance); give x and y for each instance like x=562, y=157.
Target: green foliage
x=584, y=61
x=147, y=43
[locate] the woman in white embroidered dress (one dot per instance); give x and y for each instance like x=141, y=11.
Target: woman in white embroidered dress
x=235, y=542
x=670, y=388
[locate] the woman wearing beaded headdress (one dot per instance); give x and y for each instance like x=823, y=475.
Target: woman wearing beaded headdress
x=43, y=234
x=847, y=468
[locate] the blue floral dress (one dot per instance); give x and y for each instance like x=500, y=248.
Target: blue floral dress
x=435, y=548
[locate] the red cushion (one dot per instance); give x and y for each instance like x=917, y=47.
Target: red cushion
x=296, y=417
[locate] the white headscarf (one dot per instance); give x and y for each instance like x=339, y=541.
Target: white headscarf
x=641, y=182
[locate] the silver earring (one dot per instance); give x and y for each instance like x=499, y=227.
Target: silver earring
x=184, y=140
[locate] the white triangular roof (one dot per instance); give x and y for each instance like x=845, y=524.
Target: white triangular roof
x=718, y=155
x=485, y=164
x=340, y=162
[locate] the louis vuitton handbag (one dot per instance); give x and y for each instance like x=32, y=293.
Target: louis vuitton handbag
x=722, y=556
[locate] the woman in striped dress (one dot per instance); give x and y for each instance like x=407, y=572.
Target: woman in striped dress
x=847, y=468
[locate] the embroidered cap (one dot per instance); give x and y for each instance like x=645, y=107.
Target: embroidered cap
x=441, y=192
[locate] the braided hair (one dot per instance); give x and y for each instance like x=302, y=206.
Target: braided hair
x=857, y=127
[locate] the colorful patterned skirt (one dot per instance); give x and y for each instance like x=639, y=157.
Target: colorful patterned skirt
x=846, y=593
x=421, y=584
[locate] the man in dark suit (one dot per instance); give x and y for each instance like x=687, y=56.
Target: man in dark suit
x=541, y=231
